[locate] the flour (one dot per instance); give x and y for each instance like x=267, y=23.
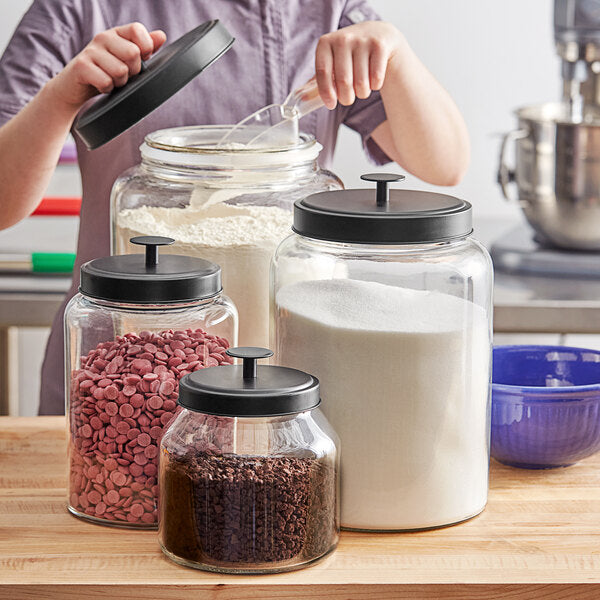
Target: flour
x=239, y=238
x=404, y=379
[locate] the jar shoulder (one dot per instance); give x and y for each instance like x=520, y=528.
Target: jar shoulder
x=82, y=304
x=465, y=247
x=305, y=435
x=77, y=305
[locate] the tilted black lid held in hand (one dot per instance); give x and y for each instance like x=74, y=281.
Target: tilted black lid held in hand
x=249, y=390
x=382, y=217
x=144, y=279
x=161, y=77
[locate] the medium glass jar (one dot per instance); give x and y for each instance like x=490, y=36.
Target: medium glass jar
x=137, y=326
x=387, y=300
x=228, y=204
x=249, y=471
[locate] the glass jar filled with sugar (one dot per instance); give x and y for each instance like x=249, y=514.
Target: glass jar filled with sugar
x=386, y=298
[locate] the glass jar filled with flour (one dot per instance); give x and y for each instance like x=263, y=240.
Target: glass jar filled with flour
x=386, y=298
x=227, y=203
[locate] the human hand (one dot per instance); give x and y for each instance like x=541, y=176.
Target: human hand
x=352, y=61
x=108, y=61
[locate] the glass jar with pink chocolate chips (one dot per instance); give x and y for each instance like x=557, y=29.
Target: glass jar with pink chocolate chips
x=137, y=326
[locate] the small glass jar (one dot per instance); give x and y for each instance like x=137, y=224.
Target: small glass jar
x=137, y=326
x=249, y=471
x=229, y=204
x=386, y=298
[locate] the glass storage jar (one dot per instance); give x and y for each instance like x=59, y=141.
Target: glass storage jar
x=386, y=298
x=228, y=204
x=137, y=326
x=249, y=471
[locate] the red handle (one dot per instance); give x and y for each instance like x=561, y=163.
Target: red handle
x=58, y=207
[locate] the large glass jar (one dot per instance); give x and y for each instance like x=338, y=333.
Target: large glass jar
x=230, y=205
x=137, y=326
x=387, y=300
x=249, y=471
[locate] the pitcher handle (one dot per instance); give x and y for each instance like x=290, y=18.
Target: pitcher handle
x=506, y=175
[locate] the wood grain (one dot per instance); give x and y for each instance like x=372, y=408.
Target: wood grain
x=538, y=538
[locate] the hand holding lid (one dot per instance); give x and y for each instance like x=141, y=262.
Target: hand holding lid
x=163, y=75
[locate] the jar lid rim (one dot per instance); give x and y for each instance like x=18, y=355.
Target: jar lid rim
x=153, y=140
x=224, y=391
x=210, y=157
x=406, y=217
x=127, y=278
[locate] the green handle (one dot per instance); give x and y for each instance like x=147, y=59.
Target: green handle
x=52, y=262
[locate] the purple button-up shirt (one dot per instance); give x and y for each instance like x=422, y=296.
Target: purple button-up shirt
x=273, y=53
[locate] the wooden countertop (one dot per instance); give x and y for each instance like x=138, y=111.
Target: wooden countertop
x=538, y=538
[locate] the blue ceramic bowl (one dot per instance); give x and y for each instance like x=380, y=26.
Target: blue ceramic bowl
x=545, y=405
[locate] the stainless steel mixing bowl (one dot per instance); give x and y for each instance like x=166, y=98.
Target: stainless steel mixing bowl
x=557, y=173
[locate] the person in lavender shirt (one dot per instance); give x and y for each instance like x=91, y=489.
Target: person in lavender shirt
x=65, y=52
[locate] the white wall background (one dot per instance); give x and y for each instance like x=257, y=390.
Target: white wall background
x=10, y=13
x=491, y=55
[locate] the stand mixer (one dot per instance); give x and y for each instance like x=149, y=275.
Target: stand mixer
x=577, y=37
x=557, y=144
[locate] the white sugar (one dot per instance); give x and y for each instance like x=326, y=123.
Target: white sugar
x=404, y=380
x=367, y=305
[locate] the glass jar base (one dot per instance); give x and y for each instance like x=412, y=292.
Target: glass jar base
x=413, y=529
x=246, y=570
x=107, y=523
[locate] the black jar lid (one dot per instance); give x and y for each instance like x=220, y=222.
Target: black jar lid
x=171, y=68
x=249, y=390
x=143, y=279
x=382, y=217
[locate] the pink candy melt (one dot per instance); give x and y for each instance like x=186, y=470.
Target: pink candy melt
x=122, y=399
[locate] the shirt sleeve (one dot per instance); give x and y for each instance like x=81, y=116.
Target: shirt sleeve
x=45, y=40
x=364, y=115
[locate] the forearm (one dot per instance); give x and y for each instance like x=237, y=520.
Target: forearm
x=30, y=145
x=424, y=131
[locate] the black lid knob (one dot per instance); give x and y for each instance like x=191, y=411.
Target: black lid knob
x=382, y=180
x=152, y=242
x=249, y=355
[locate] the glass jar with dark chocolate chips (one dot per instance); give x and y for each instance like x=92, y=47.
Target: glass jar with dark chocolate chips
x=249, y=471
